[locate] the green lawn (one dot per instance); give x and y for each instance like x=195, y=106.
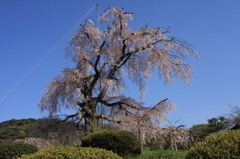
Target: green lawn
x=161, y=154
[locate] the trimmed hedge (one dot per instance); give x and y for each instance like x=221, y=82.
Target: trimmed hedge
x=222, y=146
x=15, y=150
x=122, y=142
x=73, y=153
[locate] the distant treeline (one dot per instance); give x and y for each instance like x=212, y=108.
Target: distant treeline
x=11, y=130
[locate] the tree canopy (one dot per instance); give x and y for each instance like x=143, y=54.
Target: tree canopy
x=104, y=58
x=217, y=124
x=233, y=117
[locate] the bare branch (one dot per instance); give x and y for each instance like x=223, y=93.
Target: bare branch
x=109, y=119
x=89, y=62
x=126, y=59
x=119, y=103
x=70, y=116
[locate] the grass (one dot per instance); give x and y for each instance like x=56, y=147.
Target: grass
x=161, y=154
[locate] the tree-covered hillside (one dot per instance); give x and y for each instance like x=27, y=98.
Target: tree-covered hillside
x=16, y=129
x=40, y=128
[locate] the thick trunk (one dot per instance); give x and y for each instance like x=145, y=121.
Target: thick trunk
x=90, y=125
x=91, y=120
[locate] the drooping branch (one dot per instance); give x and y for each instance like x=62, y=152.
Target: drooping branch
x=154, y=107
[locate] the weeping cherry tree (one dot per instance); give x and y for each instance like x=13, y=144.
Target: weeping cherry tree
x=104, y=60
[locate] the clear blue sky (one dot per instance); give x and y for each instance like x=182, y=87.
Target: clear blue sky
x=29, y=30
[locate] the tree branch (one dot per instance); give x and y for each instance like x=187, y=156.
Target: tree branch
x=70, y=116
x=98, y=57
x=120, y=103
x=89, y=62
x=110, y=76
x=124, y=47
x=125, y=61
x=162, y=101
x=108, y=118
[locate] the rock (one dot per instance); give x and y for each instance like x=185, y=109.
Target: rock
x=39, y=143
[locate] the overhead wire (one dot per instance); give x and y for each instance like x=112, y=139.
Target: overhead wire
x=34, y=67
x=99, y=64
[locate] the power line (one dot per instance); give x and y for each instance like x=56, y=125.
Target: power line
x=99, y=64
x=33, y=68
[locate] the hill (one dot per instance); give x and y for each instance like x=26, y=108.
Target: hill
x=16, y=129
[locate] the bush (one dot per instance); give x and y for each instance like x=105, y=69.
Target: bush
x=73, y=153
x=119, y=141
x=223, y=145
x=14, y=150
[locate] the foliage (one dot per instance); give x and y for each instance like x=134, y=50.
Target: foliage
x=119, y=141
x=54, y=130
x=14, y=150
x=103, y=58
x=199, y=131
x=154, y=143
x=170, y=138
x=161, y=154
x=176, y=138
x=41, y=144
x=237, y=124
x=233, y=117
x=59, y=132
x=223, y=145
x=142, y=122
x=16, y=129
x=216, y=124
x=237, y=120
x=73, y=153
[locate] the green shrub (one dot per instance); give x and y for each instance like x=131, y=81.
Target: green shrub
x=222, y=146
x=14, y=150
x=119, y=141
x=73, y=153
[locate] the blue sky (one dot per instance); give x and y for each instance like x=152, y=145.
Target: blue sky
x=34, y=34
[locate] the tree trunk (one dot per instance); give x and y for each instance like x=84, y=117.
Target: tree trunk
x=91, y=121
x=175, y=144
x=140, y=135
x=90, y=124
